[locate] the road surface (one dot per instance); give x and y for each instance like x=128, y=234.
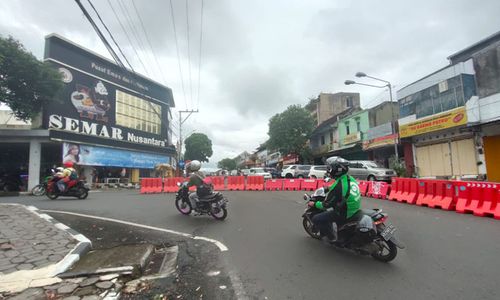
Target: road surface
x=448, y=255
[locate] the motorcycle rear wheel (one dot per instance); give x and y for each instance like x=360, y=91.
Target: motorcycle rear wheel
x=183, y=207
x=308, y=227
x=38, y=190
x=220, y=215
x=83, y=193
x=388, y=252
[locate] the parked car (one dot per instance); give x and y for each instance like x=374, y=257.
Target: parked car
x=289, y=171
x=317, y=172
x=260, y=172
x=370, y=170
x=302, y=171
x=274, y=172
x=245, y=172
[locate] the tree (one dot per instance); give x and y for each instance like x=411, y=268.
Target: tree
x=227, y=164
x=26, y=84
x=198, y=146
x=290, y=130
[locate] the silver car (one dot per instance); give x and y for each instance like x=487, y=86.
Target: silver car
x=370, y=170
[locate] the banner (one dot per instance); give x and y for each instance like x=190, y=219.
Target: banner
x=86, y=155
x=352, y=138
x=380, y=142
x=449, y=119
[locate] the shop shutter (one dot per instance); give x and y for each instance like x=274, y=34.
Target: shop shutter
x=464, y=157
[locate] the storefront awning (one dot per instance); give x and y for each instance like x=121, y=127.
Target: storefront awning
x=342, y=148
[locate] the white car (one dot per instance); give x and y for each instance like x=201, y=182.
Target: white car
x=260, y=172
x=289, y=171
x=317, y=172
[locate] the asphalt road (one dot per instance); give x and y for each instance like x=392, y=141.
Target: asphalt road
x=448, y=255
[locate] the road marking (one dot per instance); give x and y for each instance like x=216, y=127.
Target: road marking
x=220, y=245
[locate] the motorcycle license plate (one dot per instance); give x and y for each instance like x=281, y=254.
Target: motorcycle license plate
x=388, y=232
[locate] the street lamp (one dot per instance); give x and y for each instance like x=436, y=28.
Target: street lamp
x=388, y=85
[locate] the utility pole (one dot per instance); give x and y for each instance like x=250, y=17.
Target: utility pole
x=181, y=121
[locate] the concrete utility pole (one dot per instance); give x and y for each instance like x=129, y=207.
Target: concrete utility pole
x=181, y=121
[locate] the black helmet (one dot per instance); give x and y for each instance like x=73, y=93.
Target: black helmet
x=336, y=166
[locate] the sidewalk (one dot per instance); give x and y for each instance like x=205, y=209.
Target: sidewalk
x=34, y=247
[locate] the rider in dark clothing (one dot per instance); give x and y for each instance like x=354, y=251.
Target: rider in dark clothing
x=342, y=200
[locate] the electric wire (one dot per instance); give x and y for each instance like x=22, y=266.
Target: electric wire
x=178, y=54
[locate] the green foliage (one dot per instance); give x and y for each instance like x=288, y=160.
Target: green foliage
x=26, y=84
x=398, y=165
x=227, y=164
x=198, y=146
x=290, y=130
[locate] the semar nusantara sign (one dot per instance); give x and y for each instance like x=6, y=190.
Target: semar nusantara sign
x=87, y=110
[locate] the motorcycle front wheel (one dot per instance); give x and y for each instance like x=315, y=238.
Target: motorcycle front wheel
x=387, y=252
x=183, y=207
x=308, y=227
x=219, y=213
x=38, y=190
x=52, y=195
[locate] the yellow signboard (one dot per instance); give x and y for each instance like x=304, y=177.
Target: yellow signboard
x=352, y=138
x=449, y=119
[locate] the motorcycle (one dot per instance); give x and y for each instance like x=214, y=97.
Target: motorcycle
x=78, y=189
x=215, y=204
x=366, y=232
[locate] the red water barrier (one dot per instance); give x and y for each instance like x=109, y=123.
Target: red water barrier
x=291, y=184
x=310, y=184
x=157, y=185
x=378, y=189
x=218, y=182
x=481, y=199
x=444, y=195
x=425, y=192
x=170, y=184
x=236, y=183
x=363, y=187
x=255, y=183
x=409, y=188
x=274, y=184
x=396, y=188
x=145, y=183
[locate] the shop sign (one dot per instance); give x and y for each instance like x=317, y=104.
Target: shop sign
x=379, y=131
x=352, y=138
x=380, y=142
x=290, y=159
x=86, y=155
x=449, y=119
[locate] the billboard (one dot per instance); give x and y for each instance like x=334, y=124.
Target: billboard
x=86, y=155
x=101, y=104
x=449, y=119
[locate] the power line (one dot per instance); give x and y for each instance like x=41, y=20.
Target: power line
x=149, y=43
x=199, y=65
x=128, y=19
x=189, y=55
x=178, y=55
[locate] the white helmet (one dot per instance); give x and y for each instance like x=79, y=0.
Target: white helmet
x=193, y=166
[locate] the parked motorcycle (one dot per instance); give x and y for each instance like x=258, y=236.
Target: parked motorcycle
x=215, y=204
x=78, y=190
x=366, y=232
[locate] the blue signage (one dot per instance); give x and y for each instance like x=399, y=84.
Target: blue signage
x=86, y=155
x=181, y=164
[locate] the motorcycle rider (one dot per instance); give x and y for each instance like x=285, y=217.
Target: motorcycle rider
x=342, y=201
x=67, y=177
x=196, y=178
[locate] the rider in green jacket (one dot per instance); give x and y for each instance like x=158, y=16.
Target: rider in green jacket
x=342, y=201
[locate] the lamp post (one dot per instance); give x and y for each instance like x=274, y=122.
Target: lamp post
x=387, y=85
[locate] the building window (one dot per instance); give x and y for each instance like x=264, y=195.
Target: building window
x=331, y=137
x=347, y=128
x=322, y=140
x=358, y=125
x=348, y=102
x=136, y=113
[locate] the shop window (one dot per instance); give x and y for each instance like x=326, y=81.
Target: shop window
x=348, y=102
x=347, y=131
x=136, y=113
x=358, y=125
x=322, y=140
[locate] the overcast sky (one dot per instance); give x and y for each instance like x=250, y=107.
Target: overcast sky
x=260, y=56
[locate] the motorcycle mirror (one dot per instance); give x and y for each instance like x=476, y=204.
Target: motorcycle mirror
x=306, y=197
x=178, y=184
x=327, y=179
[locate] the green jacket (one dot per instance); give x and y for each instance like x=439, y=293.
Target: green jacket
x=344, y=198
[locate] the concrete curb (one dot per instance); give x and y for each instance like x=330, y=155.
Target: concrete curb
x=84, y=244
